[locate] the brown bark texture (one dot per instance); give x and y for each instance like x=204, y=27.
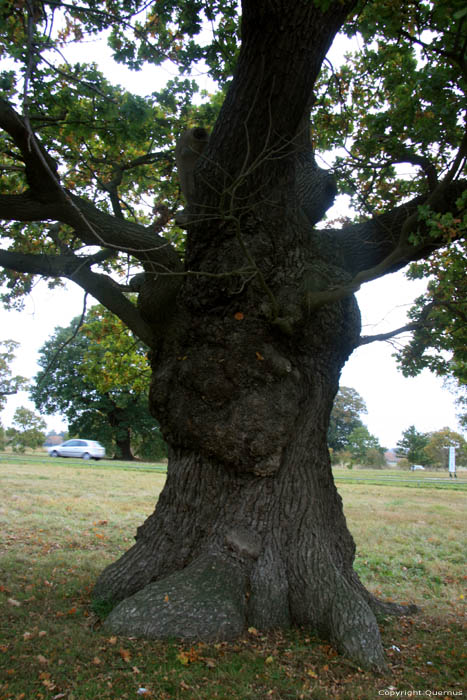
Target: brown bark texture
x=249, y=529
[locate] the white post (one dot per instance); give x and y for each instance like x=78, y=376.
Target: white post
x=452, y=462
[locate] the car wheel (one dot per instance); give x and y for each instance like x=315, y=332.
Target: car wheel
x=86, y=455
x=54, y=453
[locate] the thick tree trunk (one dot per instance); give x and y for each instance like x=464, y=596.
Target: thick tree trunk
x=123, y=444
x=122, y=433
x=249, y=529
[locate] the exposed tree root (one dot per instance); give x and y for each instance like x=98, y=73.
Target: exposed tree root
x=329, y=603
x=383, y=608
x=206, y=602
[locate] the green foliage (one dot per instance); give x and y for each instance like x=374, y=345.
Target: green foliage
x=98, y=375
x=27, y=430
x=396, y=105
x=9, y=384
x=397, y=99
x=438, y=442
x=365, y=448
x=2, y=437
x=412, y=446
x=349, y=440
x=439, y=341
x=345, y=417
x=114, y=148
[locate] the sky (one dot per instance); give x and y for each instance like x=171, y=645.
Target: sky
x=393, y=402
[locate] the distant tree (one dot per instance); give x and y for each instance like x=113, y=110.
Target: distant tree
x=345, y=417
x=365, y=447
x=9, y=384
x=97, y=375
x=412, y=446
x=439, y=441
x=2, y=437
x=27, y=430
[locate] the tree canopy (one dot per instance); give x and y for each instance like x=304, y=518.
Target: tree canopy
x=345, y=417
x=96, y=374
x=437, y=448
x=27, y=430
x=392, y=113
x=412, y=446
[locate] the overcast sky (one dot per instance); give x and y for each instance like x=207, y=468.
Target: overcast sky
x=394, y=402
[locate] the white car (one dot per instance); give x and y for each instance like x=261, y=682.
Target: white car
x=86, y=449
x=416, y=467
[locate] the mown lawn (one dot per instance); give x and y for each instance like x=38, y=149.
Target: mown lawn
x=63, y=521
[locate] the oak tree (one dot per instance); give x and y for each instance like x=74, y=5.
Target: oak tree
x=27, y=430
x=251, y=320
x=345, y=417
x=412, y=446
x=97, y=374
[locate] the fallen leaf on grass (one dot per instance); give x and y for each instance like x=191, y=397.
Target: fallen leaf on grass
x=14, y=602
x=41, y=659
x=50, y=685
x=125, y=654
x=112, y=640
x=188, y=657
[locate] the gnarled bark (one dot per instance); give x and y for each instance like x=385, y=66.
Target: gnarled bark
x=249, y=529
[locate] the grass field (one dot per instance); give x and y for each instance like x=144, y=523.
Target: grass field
x=62, y=521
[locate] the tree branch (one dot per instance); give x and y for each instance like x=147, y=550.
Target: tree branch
x=102, y=287
x=380, y=245
x=47, y=199
x=367, y=339
x=41, y=169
